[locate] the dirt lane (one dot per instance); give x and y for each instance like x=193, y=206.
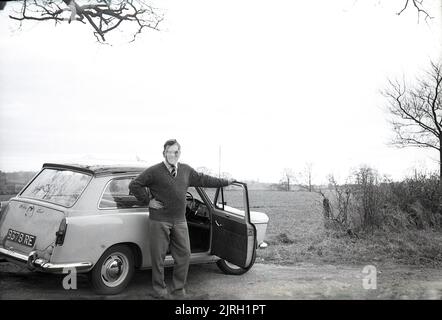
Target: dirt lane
x=264, y=281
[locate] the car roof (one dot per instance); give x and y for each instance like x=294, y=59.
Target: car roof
x=99, y=169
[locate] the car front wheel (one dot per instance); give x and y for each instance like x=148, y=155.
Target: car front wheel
x=113, y=271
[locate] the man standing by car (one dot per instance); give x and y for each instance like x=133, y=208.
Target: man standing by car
x=168, y=182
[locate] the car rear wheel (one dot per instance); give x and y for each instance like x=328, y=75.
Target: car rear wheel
x=113, y=271
x=230, y=268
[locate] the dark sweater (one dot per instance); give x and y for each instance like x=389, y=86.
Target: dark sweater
x=169, y=190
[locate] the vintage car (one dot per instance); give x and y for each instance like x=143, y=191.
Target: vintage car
x=83, y=217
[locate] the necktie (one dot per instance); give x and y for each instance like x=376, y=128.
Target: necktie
x=173, y=172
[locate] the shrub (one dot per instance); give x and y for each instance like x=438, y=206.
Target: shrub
x=418, y=197
x=369, y=202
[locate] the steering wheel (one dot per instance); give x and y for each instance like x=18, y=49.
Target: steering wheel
x=193, y=206
x=189, y=195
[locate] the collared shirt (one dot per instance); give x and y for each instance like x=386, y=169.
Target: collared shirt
x=169, y=167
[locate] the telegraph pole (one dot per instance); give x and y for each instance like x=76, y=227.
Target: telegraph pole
x=219, y=162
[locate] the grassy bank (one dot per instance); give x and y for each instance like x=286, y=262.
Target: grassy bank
x=296, y=233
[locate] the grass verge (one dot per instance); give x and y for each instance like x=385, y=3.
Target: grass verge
x=296, y=233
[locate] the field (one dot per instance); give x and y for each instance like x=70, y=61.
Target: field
x=296, y=233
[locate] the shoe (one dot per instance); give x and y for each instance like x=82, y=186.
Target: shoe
x=179, y=294
x=161, y=296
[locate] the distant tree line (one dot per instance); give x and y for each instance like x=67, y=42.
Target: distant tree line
x=13, y=182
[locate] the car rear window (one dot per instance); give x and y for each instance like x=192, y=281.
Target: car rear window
x=116, y=195
x=57, y=186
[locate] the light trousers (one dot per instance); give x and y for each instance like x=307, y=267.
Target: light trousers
x=163, y=235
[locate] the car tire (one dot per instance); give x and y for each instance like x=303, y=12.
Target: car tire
x=230, y=268
x=113, y=271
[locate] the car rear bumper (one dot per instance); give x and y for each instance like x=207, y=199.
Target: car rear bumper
x=35, y=263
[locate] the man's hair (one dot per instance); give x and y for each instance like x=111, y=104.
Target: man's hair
x=169, y=143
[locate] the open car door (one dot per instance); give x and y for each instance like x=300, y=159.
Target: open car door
x=233, y=236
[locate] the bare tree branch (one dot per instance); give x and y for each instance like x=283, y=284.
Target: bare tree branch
x=418, y=5
x=404, y=106
x=287, y=179
x=417, y=111
x=102, y=15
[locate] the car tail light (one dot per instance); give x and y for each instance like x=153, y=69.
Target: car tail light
x=61, y=232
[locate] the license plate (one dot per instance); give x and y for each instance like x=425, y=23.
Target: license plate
x=21, y=238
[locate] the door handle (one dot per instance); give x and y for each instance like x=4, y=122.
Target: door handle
x=218, y=224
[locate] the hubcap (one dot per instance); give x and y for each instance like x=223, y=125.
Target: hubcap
x=114, y=269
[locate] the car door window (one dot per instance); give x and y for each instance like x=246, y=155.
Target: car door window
x=116, y=195
x=230, y=199
x=195, y=194
x=210, y=192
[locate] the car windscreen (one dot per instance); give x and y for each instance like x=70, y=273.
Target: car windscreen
x=57, y=186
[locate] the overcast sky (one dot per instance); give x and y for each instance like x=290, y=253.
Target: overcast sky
x=273, y=84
